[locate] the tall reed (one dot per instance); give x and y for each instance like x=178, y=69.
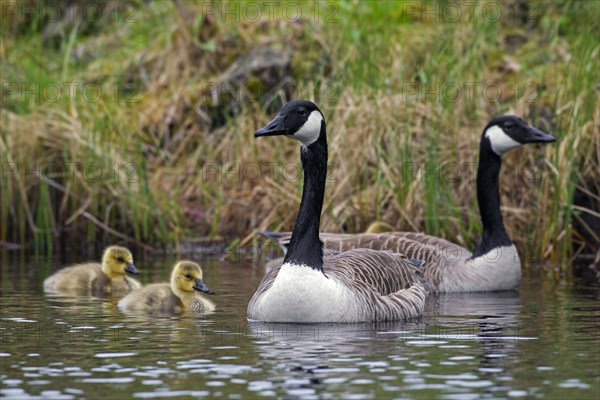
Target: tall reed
x=137, y=162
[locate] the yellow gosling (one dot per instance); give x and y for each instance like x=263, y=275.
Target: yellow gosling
x=182, y=294
x=380, y=227
x=97, y=279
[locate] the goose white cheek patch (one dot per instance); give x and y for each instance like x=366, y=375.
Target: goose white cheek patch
x=310, y=131
x=500, y=141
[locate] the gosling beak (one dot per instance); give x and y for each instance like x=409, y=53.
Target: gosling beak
x=537, y=136
x=273, y=128
x=200, y=286
x=130, y=268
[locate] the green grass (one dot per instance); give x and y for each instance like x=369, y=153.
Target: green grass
x=152, y=114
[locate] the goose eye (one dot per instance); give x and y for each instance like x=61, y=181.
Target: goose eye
x=120, y=259
x=302, y=111
x=509, y=126
x=188, y=276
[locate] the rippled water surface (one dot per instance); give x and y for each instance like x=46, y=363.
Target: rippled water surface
x=541, y=342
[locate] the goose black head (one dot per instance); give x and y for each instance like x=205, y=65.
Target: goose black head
x=508, y=131
x=298, y=119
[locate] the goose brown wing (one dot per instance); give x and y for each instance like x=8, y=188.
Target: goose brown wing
x=441, y=256
x=387, y=285
x=384, y=271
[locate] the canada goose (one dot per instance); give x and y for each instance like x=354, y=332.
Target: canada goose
x=352, y=286
x=97, y=279
x=495, y=263
x=181, y=294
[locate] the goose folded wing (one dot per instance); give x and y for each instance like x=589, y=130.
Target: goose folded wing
x=384, y=271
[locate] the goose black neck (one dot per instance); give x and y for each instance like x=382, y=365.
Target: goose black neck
x=488, y=198
x=305, y=247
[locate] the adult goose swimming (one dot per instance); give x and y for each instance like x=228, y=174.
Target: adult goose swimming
x=352, y=286
x=494, y=264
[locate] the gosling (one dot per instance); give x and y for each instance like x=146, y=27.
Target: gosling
x=380, y=227
x=97, y=279
x=182, y=294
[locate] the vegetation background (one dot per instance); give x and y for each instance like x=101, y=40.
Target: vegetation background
x=133, y=121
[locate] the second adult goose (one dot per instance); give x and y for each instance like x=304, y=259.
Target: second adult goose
x=495, y=263
x=352, y=286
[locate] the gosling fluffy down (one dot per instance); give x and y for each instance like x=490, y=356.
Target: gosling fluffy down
x=182, y=294
x=97, y=279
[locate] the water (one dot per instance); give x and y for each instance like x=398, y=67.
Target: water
x=542, y=342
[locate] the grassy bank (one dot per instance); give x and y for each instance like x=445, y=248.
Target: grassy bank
x=150, y=138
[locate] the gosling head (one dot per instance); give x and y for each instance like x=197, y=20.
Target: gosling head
x=380, y=227
x=187, y=277
x=118, y=260
x=299, y=119
x=508, y=131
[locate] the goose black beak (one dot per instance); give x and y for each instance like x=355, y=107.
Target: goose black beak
x=200, y=286
x=537, y=136
x=130, y=268
x=273, y=128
